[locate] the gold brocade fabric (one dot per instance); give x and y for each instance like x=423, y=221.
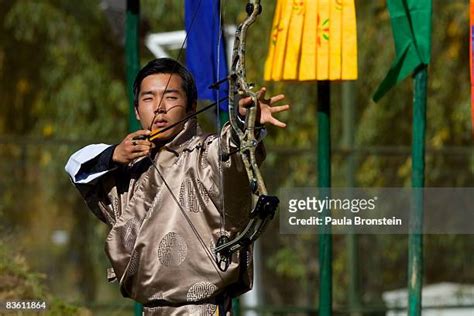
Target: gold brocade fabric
x=313, y=40
x=157, y=257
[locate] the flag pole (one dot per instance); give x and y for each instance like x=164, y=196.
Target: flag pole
x=415, y=239
x=348, y=105
x=324, y=184
x=132, y=61
x=132, y=53
x=471, y=60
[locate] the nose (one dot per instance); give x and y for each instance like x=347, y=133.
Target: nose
x=160, y=108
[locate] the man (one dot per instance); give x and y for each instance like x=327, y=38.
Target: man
x=163, y=199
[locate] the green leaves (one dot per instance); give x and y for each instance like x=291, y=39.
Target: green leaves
x=73, y=80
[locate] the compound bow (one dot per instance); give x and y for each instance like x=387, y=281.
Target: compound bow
x=263, y=205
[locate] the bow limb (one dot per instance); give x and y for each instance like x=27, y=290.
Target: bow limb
x=238, y=77
x=238, y=85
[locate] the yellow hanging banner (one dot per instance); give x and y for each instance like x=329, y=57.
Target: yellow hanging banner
x=313, y=40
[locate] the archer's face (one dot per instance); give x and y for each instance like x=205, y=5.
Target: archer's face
x=167, y=100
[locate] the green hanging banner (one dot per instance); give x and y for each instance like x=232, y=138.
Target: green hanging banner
x=411, y=27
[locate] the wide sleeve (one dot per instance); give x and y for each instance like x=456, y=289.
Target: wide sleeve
x=95, y=176
x=228, y=174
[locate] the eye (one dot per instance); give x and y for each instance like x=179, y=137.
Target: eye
x=147, y=99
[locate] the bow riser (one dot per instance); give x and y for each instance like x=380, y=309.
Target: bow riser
x=238, y=85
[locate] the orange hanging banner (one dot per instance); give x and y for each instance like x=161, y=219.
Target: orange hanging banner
x=313, y=40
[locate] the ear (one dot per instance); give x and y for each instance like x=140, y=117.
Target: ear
x=137, y=115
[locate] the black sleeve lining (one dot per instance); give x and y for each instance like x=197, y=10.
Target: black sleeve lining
x=102, y=162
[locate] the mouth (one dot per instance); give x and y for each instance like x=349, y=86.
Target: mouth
x=160, y=124
x=158, y=128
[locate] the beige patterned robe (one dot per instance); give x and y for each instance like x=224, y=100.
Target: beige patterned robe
x=157, y=257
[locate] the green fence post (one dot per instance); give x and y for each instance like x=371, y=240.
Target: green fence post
x=132, y=61
x=132, y=53
x=415, y=240
x=324, y=184
x=348, y=140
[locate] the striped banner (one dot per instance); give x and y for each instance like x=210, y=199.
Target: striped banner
x=313, y=40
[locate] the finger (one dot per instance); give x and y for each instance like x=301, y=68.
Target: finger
x=261, y=93
x=248, y=99
x=277, y=123
x=280, y=108
x=138, y=154
x=141, y=142
x=143, y=153
x=141, y=148
x=137, y=134
x=130, y=144
x=277, y=98
x=246, y=102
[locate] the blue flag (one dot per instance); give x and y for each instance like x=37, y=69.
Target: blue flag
x=204, y=58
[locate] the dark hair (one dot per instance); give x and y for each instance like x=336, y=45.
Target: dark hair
x=167, y=66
